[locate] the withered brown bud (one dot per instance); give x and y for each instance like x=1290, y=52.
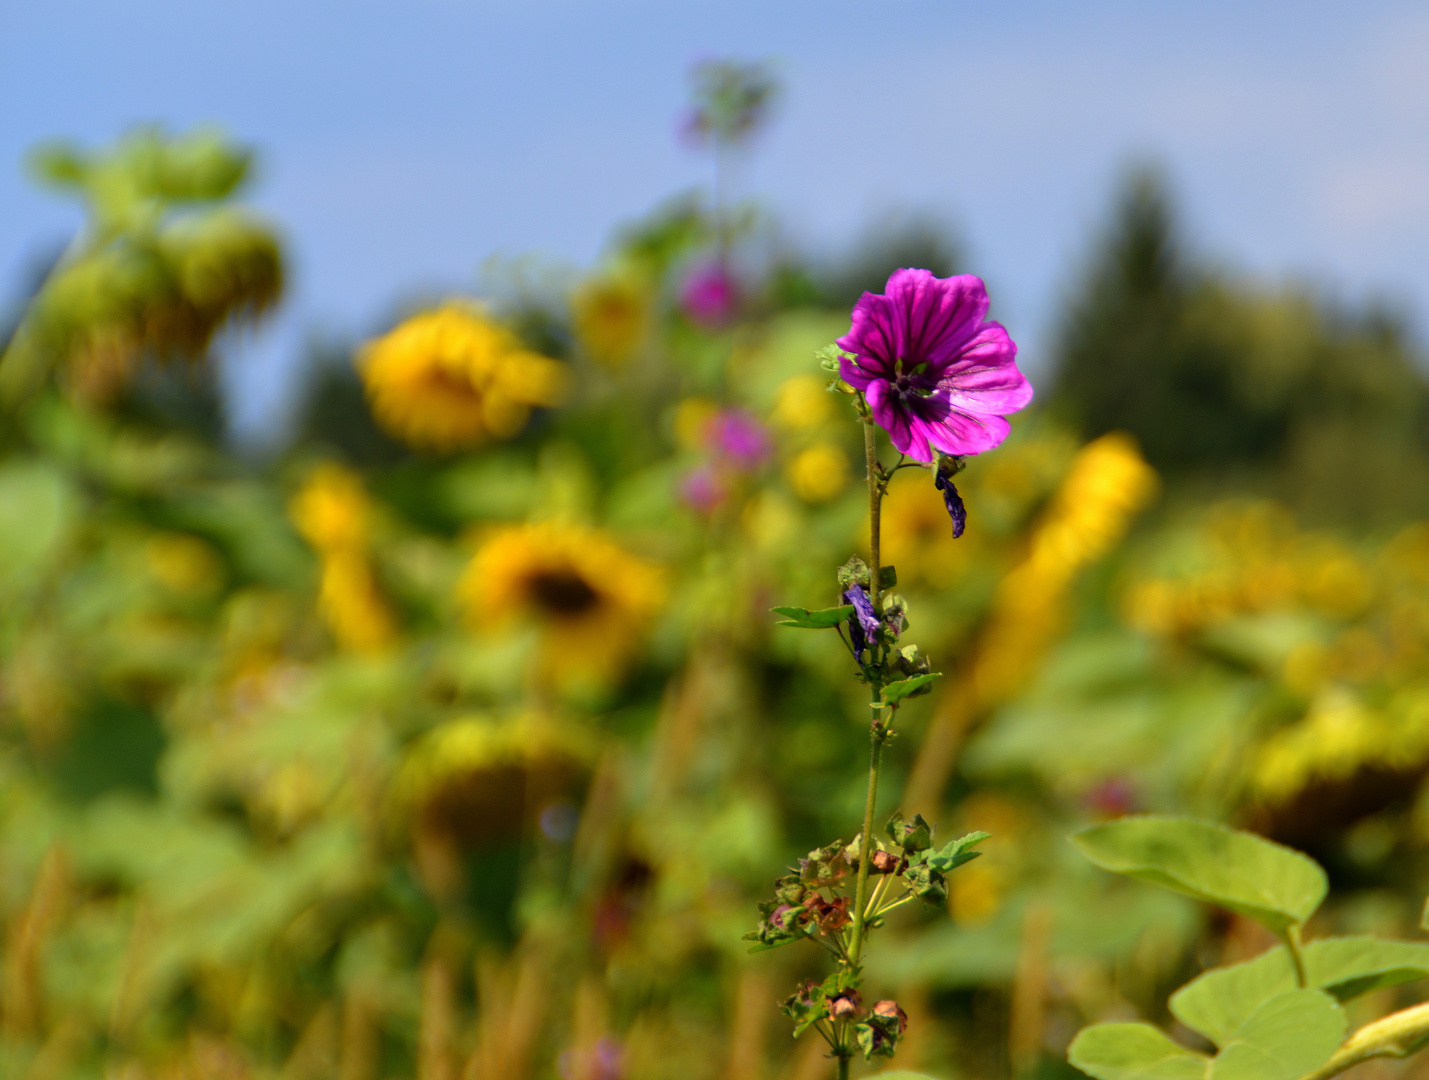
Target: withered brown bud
x=885, y=862
x=889, y=1010
x=845, y=1005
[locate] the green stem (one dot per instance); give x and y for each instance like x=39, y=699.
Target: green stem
x=860, y=901
x=1297, y=957
x=875, y=509
x=843, y=1067
x=1395, y=1036
x=877, y=733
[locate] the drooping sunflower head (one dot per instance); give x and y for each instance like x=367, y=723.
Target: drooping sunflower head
x=589, y=597
x=477, y=781
x=453, y=378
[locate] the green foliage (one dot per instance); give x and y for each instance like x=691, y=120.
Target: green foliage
x=1219, y=1001
x=1277, y=1017
x=1134, y=1052
x=1265, y=881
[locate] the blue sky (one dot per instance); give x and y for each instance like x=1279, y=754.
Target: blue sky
x=403, y=144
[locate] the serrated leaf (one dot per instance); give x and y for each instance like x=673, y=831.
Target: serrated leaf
x=1286, y=1037
x=956, y=852
x=1219, y=1001
x=822, y=619
x=1246, y=873
x=1134, y=1052
x=897, y=691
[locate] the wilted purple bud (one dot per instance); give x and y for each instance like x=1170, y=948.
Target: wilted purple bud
x=709, y=296
x=863, y=627
x=943, y=481
x=739, y=437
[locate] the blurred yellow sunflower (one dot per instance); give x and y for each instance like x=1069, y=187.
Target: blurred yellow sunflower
x=611, y=316
x=331, y=512
x=591, y=598
x=453, y=378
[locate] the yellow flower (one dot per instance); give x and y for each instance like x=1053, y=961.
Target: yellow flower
x=452, y=378
x=819, y=472
x=693, y=417
x=1107, y=484
x=590, y=598
x=182, y=563
x=332, y=509
x=802, y=403
x=611, y=316
x=332, y=512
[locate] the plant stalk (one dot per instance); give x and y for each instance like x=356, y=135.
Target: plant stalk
x=1297, y=957
x=877, y=734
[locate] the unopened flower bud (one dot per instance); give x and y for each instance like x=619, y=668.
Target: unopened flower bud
x=884, y=862
x=845, y=1005
x=889, y=1010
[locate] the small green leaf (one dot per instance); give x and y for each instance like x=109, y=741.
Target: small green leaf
x=956, y=852
x=1286, y=1037
x=805, y=619
x=1133, y=1052
x=1236, y=870
x=1219, y=1001
x=887, y=577
x=897, y=691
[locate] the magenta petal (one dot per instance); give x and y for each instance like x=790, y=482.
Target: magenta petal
x=889, y=418
x=854, y=375
x=968, y=433
x=986, y=379
x=936, y=317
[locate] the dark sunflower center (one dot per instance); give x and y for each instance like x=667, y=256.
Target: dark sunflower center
x=450, y=384
x=563, y=592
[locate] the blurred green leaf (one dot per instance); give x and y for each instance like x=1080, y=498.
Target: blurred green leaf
x=37, y=510
x=823, y=619
x=1133, y=1052
x=956, y=852
x=899, y=690
x=1219, y=1001
x=1248, y=874
x=1283, y=1039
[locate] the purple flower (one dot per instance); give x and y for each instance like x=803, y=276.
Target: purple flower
x=709, y=296
x=863, y=627
x=740, y=438
x=952, y=500
x=937, y=375
x=702, y=490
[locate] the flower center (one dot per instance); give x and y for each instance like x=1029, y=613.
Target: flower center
x=563, y=592
x=913, y=383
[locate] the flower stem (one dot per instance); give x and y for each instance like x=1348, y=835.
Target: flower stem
x=877, y=733
x=875, y=508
